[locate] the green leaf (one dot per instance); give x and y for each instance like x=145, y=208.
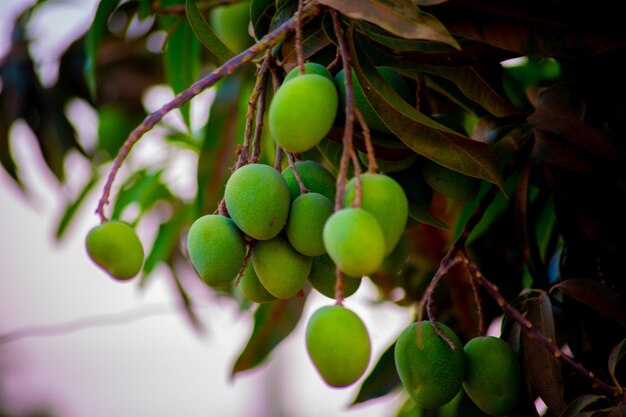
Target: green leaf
x=544, y=370
x=576, y=408
x=144, y=9
x=205, y=33
x=261, y=12
x=187, y=304
x=73, y=206
x=182, y=57
x=166, y=241
x=400, y=17
x=398, y=44
x=382, y=380
x=92, y=41
x=142, y=188
x=594, y=295
x=273, y=322
x=616, y=355
x=422, y=134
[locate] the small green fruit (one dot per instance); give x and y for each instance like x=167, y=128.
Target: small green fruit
x=355, y=241
x=307, y=217
x=309, y=68
x=368, y=112
x=383, y=197
x=323, y=278
x=257, y=199
x=216, y=249
x=315, y=177
x=338, y=344
x=452, y=184
x=430, y=371
x=302, y=112
x=492, y=377
x=230, y=23
x=281, y=269
x=115, y=247
x=252, y=289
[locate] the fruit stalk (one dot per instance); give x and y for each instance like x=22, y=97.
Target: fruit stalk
x=292, y=164
x=299, y=53
x=267, y=42
x=528, y=327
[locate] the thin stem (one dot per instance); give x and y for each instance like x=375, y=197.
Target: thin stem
x=292, y=165
x=358, y=197
x=479, y=305
x=372, y=165
x=259, y=88
x=299, y=53
x=278, y=158
x=339, y=286
x=251, y=244
x=532, y=331
x=267, y=42
x=335, y=61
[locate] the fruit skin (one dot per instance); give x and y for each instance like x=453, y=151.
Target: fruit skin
x=230, y=23
x=115, y=247
x=355, y=241
x=322, y=277
x=302, y=112
x=316, y=178
x=432, y=373
x=281, y=269
x=338, y=344
x=492, y=376
x=307, y=216
x=216, y=248
x=383, y=197
x=373, y=121
x=309, y=68
x=257, y=199
x=252, y=289
x=452, y=184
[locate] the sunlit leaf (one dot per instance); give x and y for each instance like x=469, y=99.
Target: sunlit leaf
x=544, y=370
x=422, y=134
x=273, y=322
x=142, y=188
x=204, y=32
x=400, y=17
x=382, y=380
x=92, y=41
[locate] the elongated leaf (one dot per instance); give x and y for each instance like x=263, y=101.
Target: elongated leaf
x=142, y=188
x=544, y=370
x=188, y=305
x=182, y=57
x=73, y=206
x=422, y=134
x=273, y=322
x=92, y=41
x=576, y=407
x=382, y=380
x=314, y=39
x=400, y=17
x=204, y=32
x=261, y=12
x=398, y=44
x=596, y=296
x=616, y=355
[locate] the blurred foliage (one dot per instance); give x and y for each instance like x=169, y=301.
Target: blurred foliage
x=525, y=95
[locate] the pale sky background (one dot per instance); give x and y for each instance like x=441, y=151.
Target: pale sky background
x=155, y=366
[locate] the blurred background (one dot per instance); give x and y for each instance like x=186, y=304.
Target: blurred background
x=73, y=342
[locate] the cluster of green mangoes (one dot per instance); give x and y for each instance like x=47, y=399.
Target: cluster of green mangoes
x=433, y=373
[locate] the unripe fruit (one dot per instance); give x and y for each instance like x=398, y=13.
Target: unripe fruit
x=338, y=344
x=492, y=377
x=309, y=68
x=257, y=199
x=452, y=184
x=115, y=247
x=323, y=278
x=230, y=23
x=216, y=249
x=370, y=116
x=252, y=289
x=430, y=371
x=383, y=197
x=307, y=217
x=302, y=112
x=281, y=269
x=355, y=241
x=315, y=177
